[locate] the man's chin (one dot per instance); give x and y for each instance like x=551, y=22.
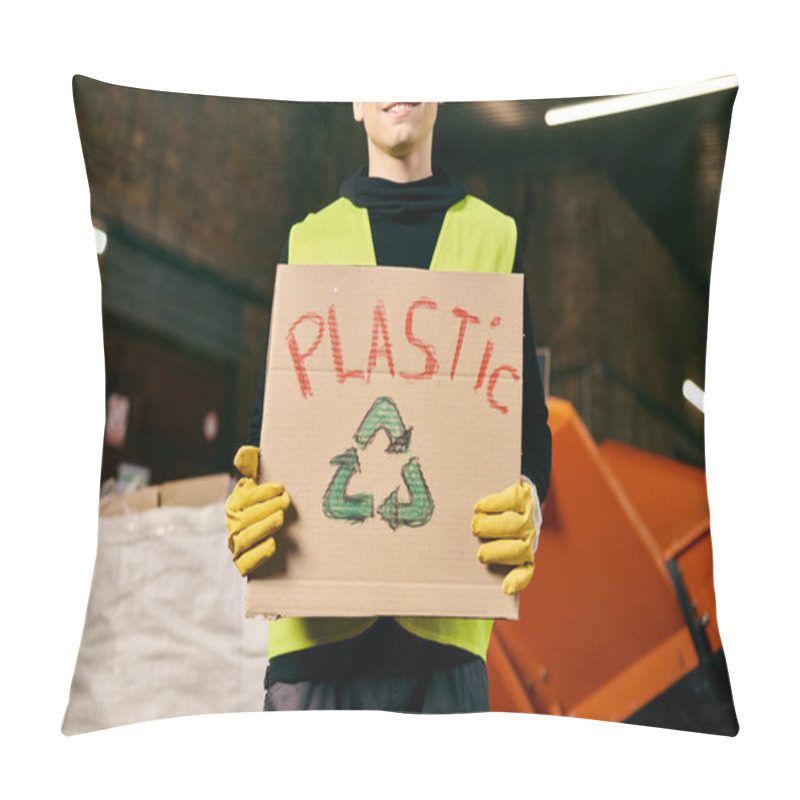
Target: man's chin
x=402, y=149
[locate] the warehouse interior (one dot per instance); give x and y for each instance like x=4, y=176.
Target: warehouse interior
x=192, y=198
x=196, y=195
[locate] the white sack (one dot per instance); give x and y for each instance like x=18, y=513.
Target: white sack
x=165, y=632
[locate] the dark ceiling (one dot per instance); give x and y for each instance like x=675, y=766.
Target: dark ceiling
x=643, y=153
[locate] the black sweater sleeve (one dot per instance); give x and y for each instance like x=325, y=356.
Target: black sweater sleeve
x=536, y=437
x=254, y=430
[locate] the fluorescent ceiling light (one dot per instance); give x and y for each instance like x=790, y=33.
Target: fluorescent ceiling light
x=694, y=394
x=629, y=102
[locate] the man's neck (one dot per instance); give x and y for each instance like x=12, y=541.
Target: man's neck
x=400, y=169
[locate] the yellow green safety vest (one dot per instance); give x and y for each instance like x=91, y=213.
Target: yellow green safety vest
x=474, y=238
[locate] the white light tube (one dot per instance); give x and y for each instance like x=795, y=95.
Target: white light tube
x=629, y=102
x=100, y=240
x=694, y=394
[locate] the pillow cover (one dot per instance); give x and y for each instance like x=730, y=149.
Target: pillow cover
x=193, y=197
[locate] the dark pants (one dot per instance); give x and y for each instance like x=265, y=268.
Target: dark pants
x=463, y=688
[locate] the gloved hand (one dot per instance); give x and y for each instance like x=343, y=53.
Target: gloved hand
x=253, y=513
x=511, y=519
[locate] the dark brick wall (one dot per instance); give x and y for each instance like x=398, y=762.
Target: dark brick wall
x=216, y=182
x=624, y=323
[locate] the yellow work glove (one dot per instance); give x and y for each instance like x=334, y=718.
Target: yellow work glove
x=511, y=520
x=253, y=513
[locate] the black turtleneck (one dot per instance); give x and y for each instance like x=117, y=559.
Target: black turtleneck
x=405, y=218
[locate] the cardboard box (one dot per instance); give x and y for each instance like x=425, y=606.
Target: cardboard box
x=392, y=404
x=194, y=492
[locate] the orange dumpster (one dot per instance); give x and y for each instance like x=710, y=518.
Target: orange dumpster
x=619, y=622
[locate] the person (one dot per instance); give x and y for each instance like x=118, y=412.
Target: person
x=415, y=215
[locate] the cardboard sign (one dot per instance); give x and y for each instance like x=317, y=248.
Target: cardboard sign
x=392, y=404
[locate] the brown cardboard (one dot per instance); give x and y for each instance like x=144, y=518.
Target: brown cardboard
x=142, y=499
x=194, y=492
x=441, y=350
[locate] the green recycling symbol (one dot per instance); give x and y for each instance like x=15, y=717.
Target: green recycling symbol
x=338, y=504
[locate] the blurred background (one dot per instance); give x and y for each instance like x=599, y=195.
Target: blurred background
x=192, y=198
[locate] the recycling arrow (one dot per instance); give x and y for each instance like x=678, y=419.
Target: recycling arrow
x=418, y=510
x=336, y=503
x=384, y=414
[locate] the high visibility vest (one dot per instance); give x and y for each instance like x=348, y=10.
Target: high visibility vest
x=474, y=238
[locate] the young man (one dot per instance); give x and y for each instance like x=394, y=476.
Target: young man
x=401, y=211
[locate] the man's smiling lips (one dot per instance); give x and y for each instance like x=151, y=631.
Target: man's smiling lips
x=399, y=109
